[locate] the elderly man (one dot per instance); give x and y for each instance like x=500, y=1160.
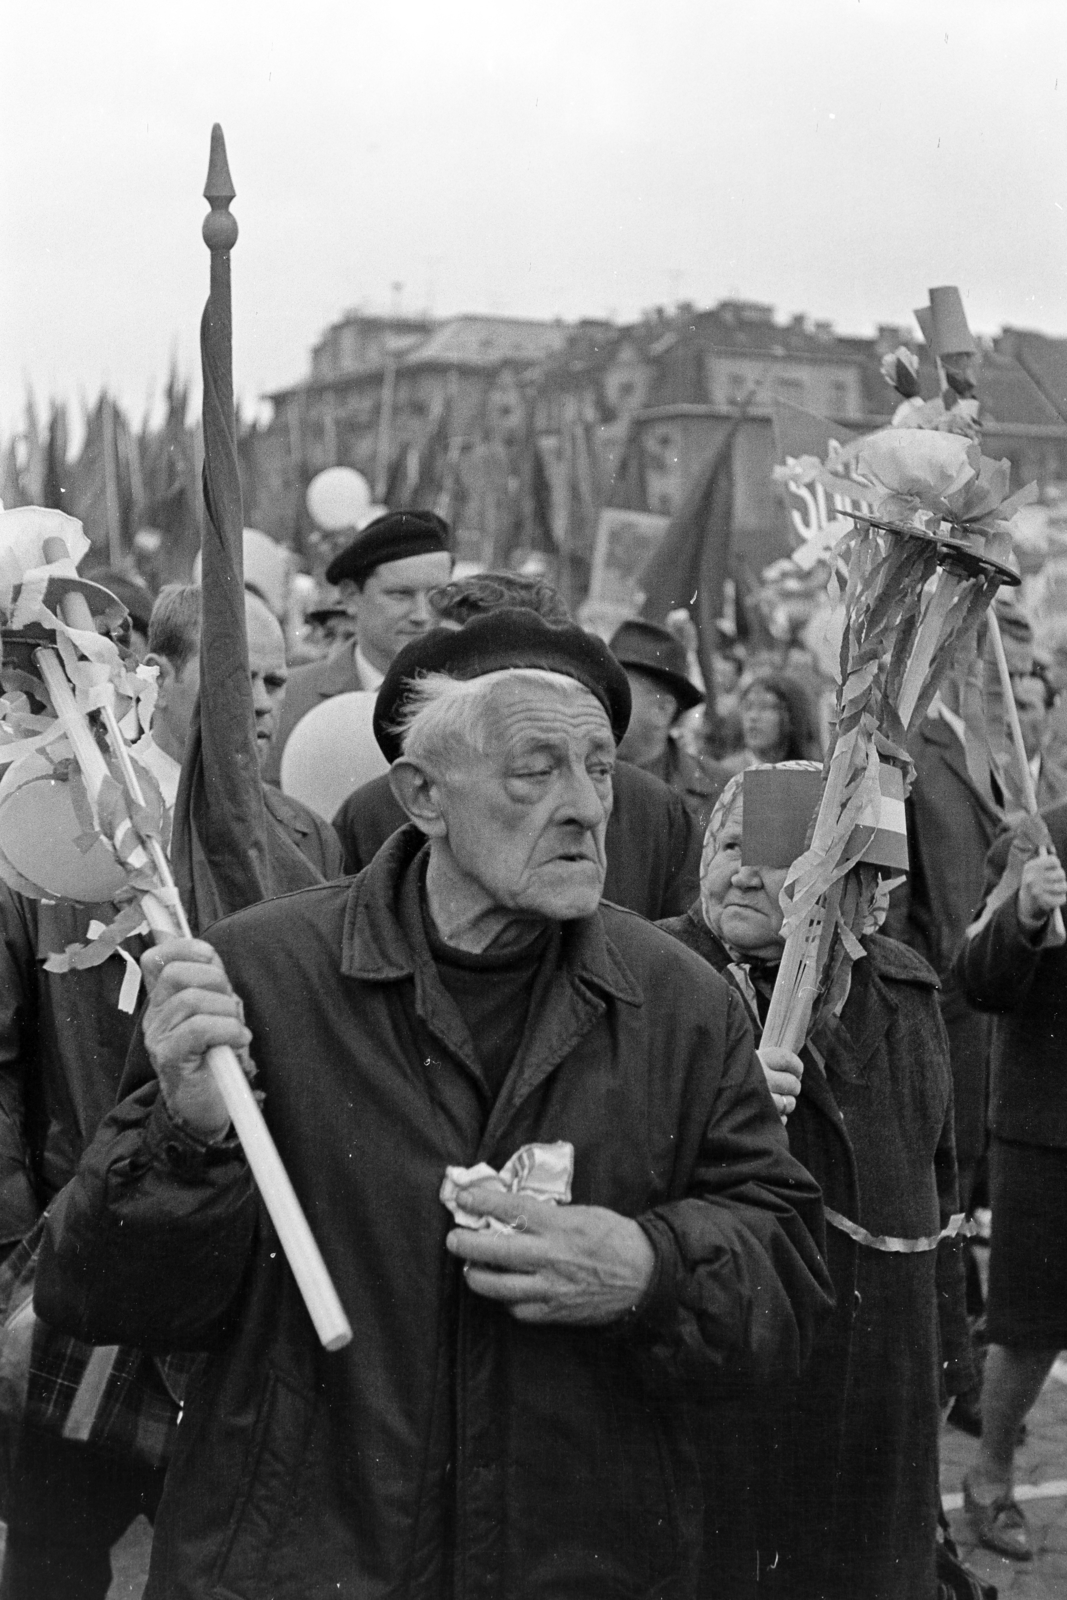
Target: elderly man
x=510, y=1419
x=174, y=649
x=652, y=841
x=384, y=577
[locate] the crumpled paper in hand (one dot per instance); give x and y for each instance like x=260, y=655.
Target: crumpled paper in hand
x=542, y=1171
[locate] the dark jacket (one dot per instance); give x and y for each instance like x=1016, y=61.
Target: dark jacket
x=1003, y=971
x=312, y=835
x=450, y=1449
x=653, y=843
x=696, y=780
x=307, y=687
x=847, y=1462
x=951, y=825
x=63, y=1047
x=63, y=1040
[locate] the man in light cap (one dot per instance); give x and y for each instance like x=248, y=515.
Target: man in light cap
x=510, y=1418
x=384, y=577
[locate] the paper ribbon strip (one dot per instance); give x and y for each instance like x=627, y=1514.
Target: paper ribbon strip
x=539, y=1171
x=958, y=1227
x=131, y=982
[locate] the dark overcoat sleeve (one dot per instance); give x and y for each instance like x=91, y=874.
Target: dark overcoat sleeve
x=148, y=1243
x=740, y=1285
x=998, y=964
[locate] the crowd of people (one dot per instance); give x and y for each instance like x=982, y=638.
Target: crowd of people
x=641, y=1305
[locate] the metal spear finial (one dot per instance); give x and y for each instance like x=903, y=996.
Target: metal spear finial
x=220, y=228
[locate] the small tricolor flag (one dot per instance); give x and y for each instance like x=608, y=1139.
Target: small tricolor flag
x=779, y=805
x=889, y=840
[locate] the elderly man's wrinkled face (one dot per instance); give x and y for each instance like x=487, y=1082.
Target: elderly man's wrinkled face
x=526, y=820
x=740, y=903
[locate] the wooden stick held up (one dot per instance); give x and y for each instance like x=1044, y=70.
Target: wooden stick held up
x=167, y=919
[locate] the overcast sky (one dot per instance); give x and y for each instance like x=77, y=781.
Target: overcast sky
x=555, y=158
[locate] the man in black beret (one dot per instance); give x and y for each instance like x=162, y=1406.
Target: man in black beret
x=653, y=840
x=384, y=576
x=534, y=1140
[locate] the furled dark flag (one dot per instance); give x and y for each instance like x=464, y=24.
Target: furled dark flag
x=227, y=849
x=628, y=487
x=691, y=565
x=54, y=484
x=170, y=490
x=100, y=494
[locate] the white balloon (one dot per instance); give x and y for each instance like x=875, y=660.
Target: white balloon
x=332, y=751
x=39, y=830
x=338, y=498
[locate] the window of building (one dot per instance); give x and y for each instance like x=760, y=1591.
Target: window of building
x=790, y=389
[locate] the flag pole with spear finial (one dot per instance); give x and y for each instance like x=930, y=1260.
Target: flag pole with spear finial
x=222, y=494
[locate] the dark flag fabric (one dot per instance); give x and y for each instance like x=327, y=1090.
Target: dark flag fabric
x=227, y=850
x=692, y=563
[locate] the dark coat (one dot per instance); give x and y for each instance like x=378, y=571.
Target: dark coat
x=542, y=1461
x=847, y=1462
x=653, y=843
x=951, y=825
x=696, y=780
x=1003, y=971
x=63, y=1040
x=307, y=687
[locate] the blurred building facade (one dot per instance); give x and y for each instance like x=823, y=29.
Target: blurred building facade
x=522, y=431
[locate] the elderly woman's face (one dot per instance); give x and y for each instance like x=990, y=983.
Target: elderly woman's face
x=526, y=820
x=764, y=721
x=741, y=903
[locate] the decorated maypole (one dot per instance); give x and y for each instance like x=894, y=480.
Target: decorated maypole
x=928, y=548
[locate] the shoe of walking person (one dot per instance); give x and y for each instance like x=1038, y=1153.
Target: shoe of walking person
x=999, y=1525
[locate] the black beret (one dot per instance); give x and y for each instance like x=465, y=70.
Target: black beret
x=137, y=599
x=511, y=637
x=394, y=537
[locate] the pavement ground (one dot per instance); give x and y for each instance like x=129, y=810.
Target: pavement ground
x=1041, y=1488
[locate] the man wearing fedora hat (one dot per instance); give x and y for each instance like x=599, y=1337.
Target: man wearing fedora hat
x=662, y=691
x=384, y=577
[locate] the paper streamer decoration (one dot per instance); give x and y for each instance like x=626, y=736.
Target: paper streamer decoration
x=930, y=546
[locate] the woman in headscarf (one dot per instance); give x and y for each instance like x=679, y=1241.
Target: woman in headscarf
x=846, y=1472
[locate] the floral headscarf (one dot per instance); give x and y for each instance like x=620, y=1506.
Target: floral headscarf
x=720, y=816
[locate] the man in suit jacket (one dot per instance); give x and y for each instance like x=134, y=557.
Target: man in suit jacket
x=953, y=817
x=384, y=576
x=1034, y=699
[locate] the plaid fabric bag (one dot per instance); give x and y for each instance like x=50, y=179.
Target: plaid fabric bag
x=113, y=1396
